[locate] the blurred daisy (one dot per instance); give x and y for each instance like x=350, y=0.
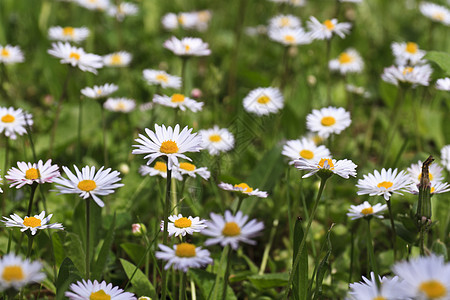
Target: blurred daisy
x=282, y=21
x=328, y=120
x=81, y=290
x=408, y=53
x=348, y=62
x=443, y=84
x=184, y=256
x=12, y=121
x=289, y=36
x=170, y=21
x=159, y=168
x=384, y=184
x=157, y=77
x=435, y=12
x=16, y=273
x=101, y=91
x=101, y=5
x=68, y=34
x=76, y=57
x=418, y=75
x=179, y=225
x=231, y=230
x=435, y=172
x=343, y=168
x=117, y=59
x=325, y=30
x=1, y=182
x=124, y=105
x=243, y=188
x=445, y=157
x=426, y=277
x=366, y=210
x=256, y=30
x=436, y=187
x=390, y=289
x=122, y=10
x=178, y=101
x=10, y=54
x=304, y=148
x=217, y=140
x=168, y=142
x=263, y=101
x=203, y=18
x=186, y=168
x=187, y=46
x=31, y=223
x=89, y=183
x=28, y=173
x=358, y=90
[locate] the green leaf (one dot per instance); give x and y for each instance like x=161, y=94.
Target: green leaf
x=67, y=274
x=439, y=248
x=58, y=249
x=99, y=265
x=75, y=251
x=407, y=235
x=205, y=281
x=134, y=251
x=442, y=59
x=140, y=282
x=267, y=281
x=300, y=281
x=323, y=266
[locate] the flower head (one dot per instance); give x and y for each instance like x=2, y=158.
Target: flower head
x=348, y=61
x=304, y=148
x=165, y=80
x=31, y=223
x=28, y=173
x=100, y=5
x=76, y=57
x=384, y=184
x=443, y=84
x=101, y=91
x=417, y=75
x=179, y=225
x=264, y=101
x=328, y=120
x=283, y=21
x=117, y=59
x=217, y=140
x=289, y=36
x=366, y=210
x=243, y=188
x=124, y=105
x=122, y=10
x=327, y=166
x=95, y=290
x=436, y=187
x=390, y=288
x=186, y=168
x=325, y=30
x=408, y=53
x=159, y=168
x=184, y=256
x=68, y=34
x=178, y=101
x=187, y=46
x=14, y=121
x=10, y=54
x=16, y=272
x=445, y=156
x=434, y=172
x=435, y=12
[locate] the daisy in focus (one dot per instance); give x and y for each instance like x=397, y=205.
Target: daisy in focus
x=16, y=272
x=328, y=120
x=123, y=105
x=168, y=142
x=179, y=225
x=304, y=148
x=117, y=59
x=264, y=101
x=282, y=21
x=443, y=84
x=434, y=172
x=418, y=75
x=384, y=184
x=328, y=166
x=76, y=57
x=408, y=53
x=38, y=222
x=348, y=62
x=232, y=230
x=11, y=54
x=89, y=183
x=366, y=210
x=217, y=140
x=68, y=34
x=159, y=168
x=165, y=80
x=101, y=91
x=325, y=30
x=437, y=187
x=95, y=290
x=243, y=189
x=122, y=10
x=178, y=101
x=28, y=173
x=390, y=288
x=289, y=36
x=184, y=256
x=14, y=121
x=435, y=12
x=186, y=168
x=187, y=46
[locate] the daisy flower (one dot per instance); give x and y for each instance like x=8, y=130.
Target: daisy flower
x=343, y=168
x=384, y=184
x=348, y=62
x=31, y=223
x=443, y=84
x=436, y=13
x=1, y=182
x=124, y=105
x=122, y=10
x=435, y=172
x=328, y=120
x=101, y=91
x=10, y=54
x=16, y=273
x=358, y=90
x=158, y=77
x=101, y=5
x=184, y=256
x=168, y=142
x=408, y=53
x=243, y=188
x=12, y=121
x=366, y=210
x=436, y=187
x=231, y=230
x=178, y=101
x=445, y=156
x=76, y=57
x=304, y=148
x=186, y=168
x=117, y=59
x=187, y=46
x=82, y=290
x=325, y=30
x=159, y=168
x=289, y=36
x=203, y=18
x=417, y=75
x=263, y=101
x=426, y=277
x=170, y=21
x=179, y=225
x=28, y=173
x=390, y=288
x=217, y=140
x=281, y=21
x=89, y=183
x=68, y=34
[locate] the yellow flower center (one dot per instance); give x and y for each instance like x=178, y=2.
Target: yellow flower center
x=231, y=229
x=407, y=70
x=32, y=174
x=187, y=166
x=99, y=92
x=187, y=47
x=182, y=223
x=215, y=138
x=433, y=289
x=263, y=100
x=74, y=55
x=344, y=58
x=411, y=47
x=87, y=185
x=160, y=166
x=439, y=16
x=203, y=16
x=181, y=19
x=385, y=184
x=5, y=53
x=68, y=31
x=8, y=118
x=32, y=222
x=379, y=298
x=121, y=105
x=429, y=176
x=328, y=160
x=289, y=38
x=329, y=24
x=185, y=250
x=328, y=121
x=116, y=59
x=245, y=188
x=432, y=190
x=284, y=22
x=13, y=273
x=169, y=147
x=176, y=98
x=367, y=211
x=99, y=295
x=307, y=154
x=162, y=77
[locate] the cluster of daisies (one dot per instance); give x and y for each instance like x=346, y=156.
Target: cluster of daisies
x=192, y=20
x=118, y=9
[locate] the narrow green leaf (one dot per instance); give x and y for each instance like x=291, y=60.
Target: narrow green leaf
x=140, y=282
x=67, y=274
x=300, y=282
x=205, y=281
x=323, y=266
x=271, y=280
x=100, y=264
x=134, y=251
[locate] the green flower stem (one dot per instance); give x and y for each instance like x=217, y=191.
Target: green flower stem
x=303, y=242
x=30, y=244
x=227, y=274
x=105, y=149
x=327, y=59
x=173, y=194
x=8, y=248
x=370, y=252
x=240, y=199
x=184, y=60
x=223, y=256
x=80, y=121
x=88, y=237
x=182, y=290
x=265, y=258
x=30, y=203
x=394, y=232
x=193, y=290
x=165, y=234
x=285, y=66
